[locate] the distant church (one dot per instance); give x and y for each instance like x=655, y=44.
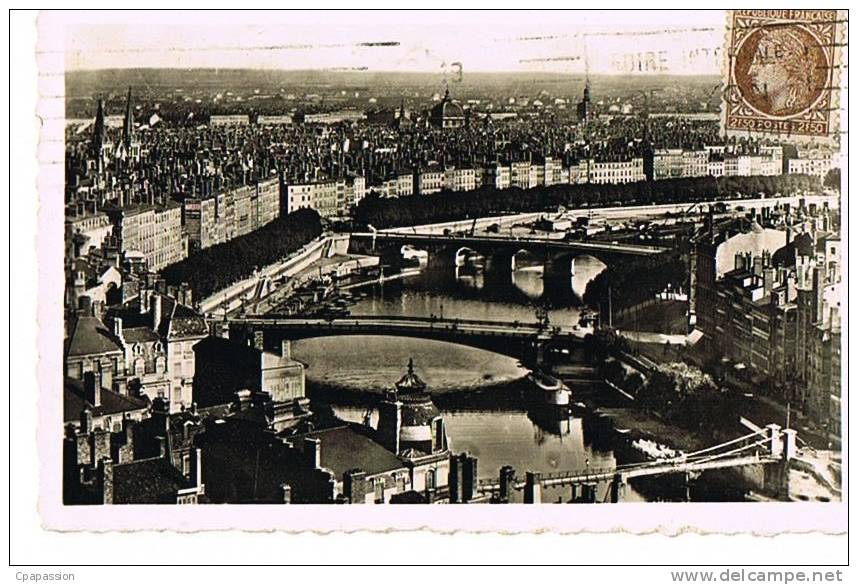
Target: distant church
x=447, y=113
x=585, y=108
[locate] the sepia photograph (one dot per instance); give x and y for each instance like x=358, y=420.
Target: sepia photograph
x=586, y=258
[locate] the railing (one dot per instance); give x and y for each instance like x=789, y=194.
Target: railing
x=631, y=248
x=465, y=326
x=748, y=452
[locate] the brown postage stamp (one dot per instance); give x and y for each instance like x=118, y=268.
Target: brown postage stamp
x=781, y=73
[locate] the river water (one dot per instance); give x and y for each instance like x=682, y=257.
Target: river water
x=507, y=435
x=478, y=392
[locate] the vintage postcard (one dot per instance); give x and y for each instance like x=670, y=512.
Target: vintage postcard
x=296, y=261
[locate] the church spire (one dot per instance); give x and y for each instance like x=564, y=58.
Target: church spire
x=128, y=123
x=98, y=128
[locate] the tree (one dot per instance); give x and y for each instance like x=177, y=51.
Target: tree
x=684, y=394
x=832, y=179
x=614, y=372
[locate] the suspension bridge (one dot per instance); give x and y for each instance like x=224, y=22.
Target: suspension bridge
x=771, y=446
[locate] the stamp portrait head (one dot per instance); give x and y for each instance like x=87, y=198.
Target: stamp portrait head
x=781, y=70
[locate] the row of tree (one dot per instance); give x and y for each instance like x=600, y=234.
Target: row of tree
x=634, y=280
x=219, y=266
x=485, y=201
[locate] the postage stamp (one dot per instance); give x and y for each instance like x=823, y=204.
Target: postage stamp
x=781, y=71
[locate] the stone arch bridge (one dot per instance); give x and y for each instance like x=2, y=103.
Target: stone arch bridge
x=499, y=251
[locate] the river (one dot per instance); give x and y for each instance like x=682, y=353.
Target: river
x=507, y=435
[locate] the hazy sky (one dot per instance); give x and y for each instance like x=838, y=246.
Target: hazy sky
x=617, y=42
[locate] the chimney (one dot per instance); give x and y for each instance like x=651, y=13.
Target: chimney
x=86, y=421
x=117, y=329
x=790, y=287
x=105, y=480
x=286, y=493
x=196, y=467
x=106, y=376
x=84, y=305
x=161, y=412
x=286, y=349
x=768, y=279
x=758, y=265
x=99, y=445
x=162, y=447
x=156, y=311
x=258, y=340
x=144, y=297
x=354, y=486
x=128, y=429
x=834, y=319
x=243, y=399
x=313, y=452
x=92, y=388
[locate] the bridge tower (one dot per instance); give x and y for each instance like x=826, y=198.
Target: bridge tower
x=533, y=488
x=617, y=488
x=507, y=484
x=781, y=443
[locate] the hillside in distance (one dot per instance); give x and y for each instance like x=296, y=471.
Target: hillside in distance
x=85, y=83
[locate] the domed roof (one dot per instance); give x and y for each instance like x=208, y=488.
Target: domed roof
x=447, y=108
x=420, y=412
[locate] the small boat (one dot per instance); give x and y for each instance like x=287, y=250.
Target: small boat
x=550, y=392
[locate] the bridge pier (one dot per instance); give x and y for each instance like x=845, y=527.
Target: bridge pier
x=558, y=272
x=533, y=488
x=588, y=493
x=498, y=269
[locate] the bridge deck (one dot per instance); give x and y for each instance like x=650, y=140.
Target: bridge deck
x=562, y=479
x=416, y=325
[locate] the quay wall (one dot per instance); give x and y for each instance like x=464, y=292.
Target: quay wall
x=636, y=211
x=230, y=297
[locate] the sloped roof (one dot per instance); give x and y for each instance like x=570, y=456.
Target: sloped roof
x=147, y=481
x=74, y=402
x=180, y=320
x=344, y=448
x=139, y=335
x=802, y=245
x=89, y=336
